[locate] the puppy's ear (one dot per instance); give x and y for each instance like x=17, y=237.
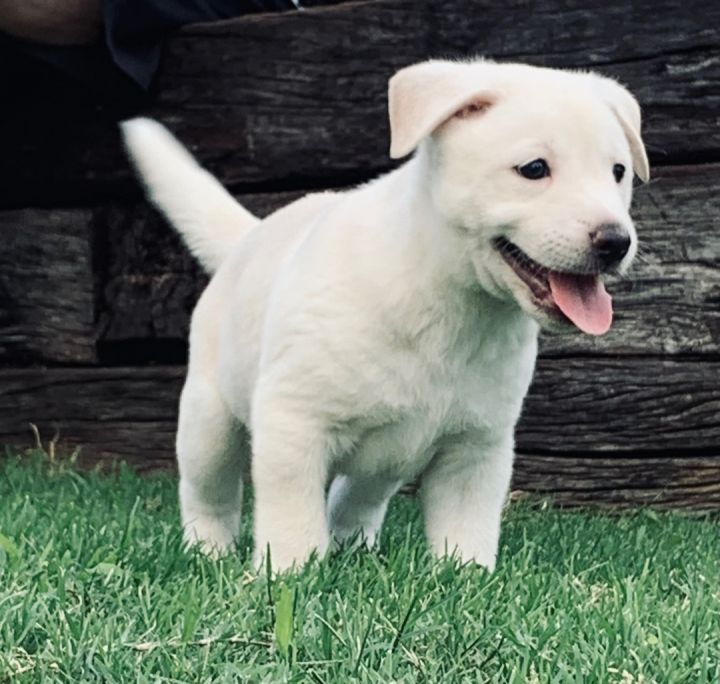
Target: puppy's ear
x=423, y=96
x=627, y=110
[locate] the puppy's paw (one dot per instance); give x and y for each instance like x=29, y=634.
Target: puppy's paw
x=482, y=559
x=353, y=538
x=487, y=563
x=466, y=555
x=285, y=557
x=215, y=535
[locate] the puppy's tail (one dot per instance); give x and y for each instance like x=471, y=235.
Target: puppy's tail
x=207, y=217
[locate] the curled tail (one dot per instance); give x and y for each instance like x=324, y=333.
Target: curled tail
x=207, y=217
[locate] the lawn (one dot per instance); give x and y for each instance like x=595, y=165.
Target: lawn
x=95, y=587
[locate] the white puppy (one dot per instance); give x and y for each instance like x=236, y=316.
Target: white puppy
x=370, y=337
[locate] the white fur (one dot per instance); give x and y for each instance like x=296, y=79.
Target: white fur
x=374, y=336
x=204, y=213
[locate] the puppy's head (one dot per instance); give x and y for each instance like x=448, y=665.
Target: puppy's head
x=535, y=167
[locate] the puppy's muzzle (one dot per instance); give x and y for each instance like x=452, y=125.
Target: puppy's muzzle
x=609, y=243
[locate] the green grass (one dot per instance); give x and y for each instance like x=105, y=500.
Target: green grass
x=96, y=587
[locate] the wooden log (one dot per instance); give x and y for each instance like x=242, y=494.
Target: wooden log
x=594, y=405
x=621, y=482
x=151, y=283
x=336, y=63
x=146, y=283
x=110, y=412
x=63, y=270
x=47, y=287
x=299, y=99
x=580, y=440
x=667, y=304
x=148, y=275
x=609, y=404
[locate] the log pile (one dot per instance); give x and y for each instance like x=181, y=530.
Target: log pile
x=96, y=291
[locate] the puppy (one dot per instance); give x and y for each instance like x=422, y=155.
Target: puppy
x=370, y=337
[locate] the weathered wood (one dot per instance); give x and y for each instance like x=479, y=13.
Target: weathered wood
x=298, y=99
x=622, y=481
x=151, y=282
x=594, y=405
x=127, y=412
x=336, y=63
x=667, y=304
x=609, y=404
x=52, y=262
x=149, y=276
x=47, y=297
x=577, y=412
x=147, y=282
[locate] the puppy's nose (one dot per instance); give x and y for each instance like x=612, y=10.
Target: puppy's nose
x=610, y=243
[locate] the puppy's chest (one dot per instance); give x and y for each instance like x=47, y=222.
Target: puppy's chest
x=435, y=403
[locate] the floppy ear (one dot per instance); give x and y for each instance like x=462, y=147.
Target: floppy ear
x=423, y=96
x=627, y=110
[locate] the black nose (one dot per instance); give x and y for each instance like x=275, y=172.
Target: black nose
x=610, y=243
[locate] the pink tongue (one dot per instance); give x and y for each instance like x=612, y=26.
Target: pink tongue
x=584, y=300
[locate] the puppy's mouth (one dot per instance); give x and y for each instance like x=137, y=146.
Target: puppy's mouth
x=579, y=298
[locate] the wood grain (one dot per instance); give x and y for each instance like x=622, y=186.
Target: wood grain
x=585, y=423
x=311, y=111
x=147, y=283
x=594, y=405
x=278, y=105
x=127, y=412
x=47, y=286
x=622, y=481
x=336, y=63
x=633, y=404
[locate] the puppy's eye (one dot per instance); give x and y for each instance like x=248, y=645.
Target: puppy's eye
x=534, y=170
x=619, y=172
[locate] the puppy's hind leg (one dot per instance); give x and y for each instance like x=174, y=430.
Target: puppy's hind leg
x=358, y=506
x=211, y=448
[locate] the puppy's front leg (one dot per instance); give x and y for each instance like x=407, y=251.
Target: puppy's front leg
x=289, y=470
x=462, y=493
